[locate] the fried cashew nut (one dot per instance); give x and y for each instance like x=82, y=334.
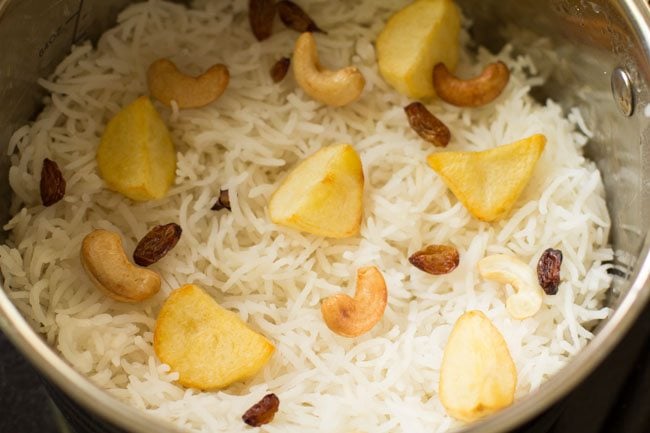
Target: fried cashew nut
x=107, y=266
x=167, y=84
x=352, y=317
x=475, y=92
x=510, y=270
x=335, y=88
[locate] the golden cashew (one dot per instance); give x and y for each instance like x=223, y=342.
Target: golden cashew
x=167, y=84
x=351, y=317
x=335, y=88
x=510, y=270
x=105, y=262
x=470, y=93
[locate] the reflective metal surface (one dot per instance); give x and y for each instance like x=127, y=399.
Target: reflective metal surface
x=623, y=91
x=587, y=40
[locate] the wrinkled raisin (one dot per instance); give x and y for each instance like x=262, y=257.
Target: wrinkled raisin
x=260, y=15
x=52, y=183
x=295, y=18
x=427, y=126
x=280, y=69
x=223, y=202
x=263, y=411
x=548, y=270
x=436, y=259
x=155, y=244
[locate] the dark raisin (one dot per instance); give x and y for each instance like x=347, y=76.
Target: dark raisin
x=52, y=183
x=260, y=15
x=223, y=202
x=436, y=259
x=548, y=270
x=155, y=244
x=294, y=17
x=427, y=126
x=263, y=411
x=280, y=69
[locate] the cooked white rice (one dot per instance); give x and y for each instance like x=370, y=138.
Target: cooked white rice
x=274, y=277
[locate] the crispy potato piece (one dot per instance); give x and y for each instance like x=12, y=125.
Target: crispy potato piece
x=477, y=376
x=209, y=346
x=323, y=195
x=489, y=183
x=413, y=40
x=136, y=156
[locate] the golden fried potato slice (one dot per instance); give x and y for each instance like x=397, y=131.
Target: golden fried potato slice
x=489, y=183
x=414, y=40
x=136, y=156
x=323, y=195
x=477, y=376
x=209, y=346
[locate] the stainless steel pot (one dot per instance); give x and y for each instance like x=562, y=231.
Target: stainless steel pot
x=601, y=64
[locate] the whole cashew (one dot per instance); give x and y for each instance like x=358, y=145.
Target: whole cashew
x=351, y=317
x=470, y=93
x=510, y=270
x=335, y=88
x=167, y=84
x=105, y=262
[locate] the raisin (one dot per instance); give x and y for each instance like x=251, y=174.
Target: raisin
x=295, y=18
x=263, y=411
x=52, y=183
x=548, y=270
x=260, y=15
x=155, y=244
x=427, y=126
x=436, y=259
x=223, y=202
x=280, y=69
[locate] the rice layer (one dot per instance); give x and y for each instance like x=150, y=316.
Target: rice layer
x=273, y=277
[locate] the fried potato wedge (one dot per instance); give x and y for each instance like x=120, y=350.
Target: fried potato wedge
x=489, y=183
x=477, y=376
x=209, y=346
x=415, y=39
x=136, y=156
x=323, y=195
